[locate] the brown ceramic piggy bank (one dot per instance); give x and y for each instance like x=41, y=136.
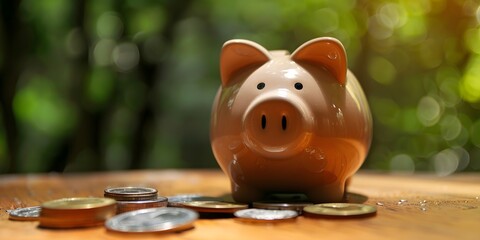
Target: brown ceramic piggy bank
x=284, y=123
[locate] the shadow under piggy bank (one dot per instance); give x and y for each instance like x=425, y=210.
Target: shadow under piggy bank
x=349, y=197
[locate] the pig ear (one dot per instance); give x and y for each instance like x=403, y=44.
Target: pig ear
x=237, y=54
x=326, y=52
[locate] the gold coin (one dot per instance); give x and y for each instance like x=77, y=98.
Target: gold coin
x=340, y=209
x=214, y=206
x=76, y=212
x=178, y=200
x=131, y=193
x=78, y=203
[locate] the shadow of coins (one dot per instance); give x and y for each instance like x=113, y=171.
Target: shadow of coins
x=287, y=197
x=351, y=197
x=205, y=215
x=147, y=234
x=227, y=197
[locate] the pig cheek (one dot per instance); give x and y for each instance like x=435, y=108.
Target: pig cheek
x=238, y=151
x=236, y=171
x=336, y=162
x=315, y=160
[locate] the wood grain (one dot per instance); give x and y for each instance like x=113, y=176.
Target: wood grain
x=433, y=208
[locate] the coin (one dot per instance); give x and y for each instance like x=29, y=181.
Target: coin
x=125, y=206
x=178, y=200
x=214, y=206
x=77, y=203
x=130, y=193
x=254, y=214
x=76, y=212
x=281, y=205
x=152, y=220
x=25, y=214
x=340, y=209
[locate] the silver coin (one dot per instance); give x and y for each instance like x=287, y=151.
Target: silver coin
x=265, y=214
x=152, y=220
x=279, y=205
x=178, y=200
x=25, y=214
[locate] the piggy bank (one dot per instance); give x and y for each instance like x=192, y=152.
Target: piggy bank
x=289, y=123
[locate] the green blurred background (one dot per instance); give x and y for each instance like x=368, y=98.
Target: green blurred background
x=112, y=85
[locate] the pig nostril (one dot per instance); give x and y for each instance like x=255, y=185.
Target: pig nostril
x=264, y=121
x=284, y=123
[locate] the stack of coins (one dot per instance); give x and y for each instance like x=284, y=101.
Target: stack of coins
x=134, y=198
x=76, y=212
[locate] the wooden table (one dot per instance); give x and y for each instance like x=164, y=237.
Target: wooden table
x=429, y=208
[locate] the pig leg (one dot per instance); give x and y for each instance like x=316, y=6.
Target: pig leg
x=246, y=194
x=242, y=192
x=326, y=194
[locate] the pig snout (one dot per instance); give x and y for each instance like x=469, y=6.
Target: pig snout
x=277, y=124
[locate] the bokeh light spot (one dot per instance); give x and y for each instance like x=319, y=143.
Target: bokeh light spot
x=402, y=163
x=472, y=39
x=37, y=104
x=386, y=111
x=428, y=111
x=463, y=157
x=377, y=29
x=470, y=84
x=392, y=15
x=102, y=53
x=445, y=162
x=74, y=43
x=381, y=70
x=477, y=14
x=450, y=127
x=109, y=25
x=126, y=56
x=329, y=21
x=414, y=30
x=475, y=133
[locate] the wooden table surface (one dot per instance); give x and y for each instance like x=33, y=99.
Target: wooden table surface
x=432, y=207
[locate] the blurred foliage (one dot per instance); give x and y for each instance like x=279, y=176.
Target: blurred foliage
x=111, y=85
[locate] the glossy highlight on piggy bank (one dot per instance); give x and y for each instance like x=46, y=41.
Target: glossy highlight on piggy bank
x=289, y=123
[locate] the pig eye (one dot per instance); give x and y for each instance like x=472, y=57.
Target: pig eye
x=298, y=86
x=260, y=86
